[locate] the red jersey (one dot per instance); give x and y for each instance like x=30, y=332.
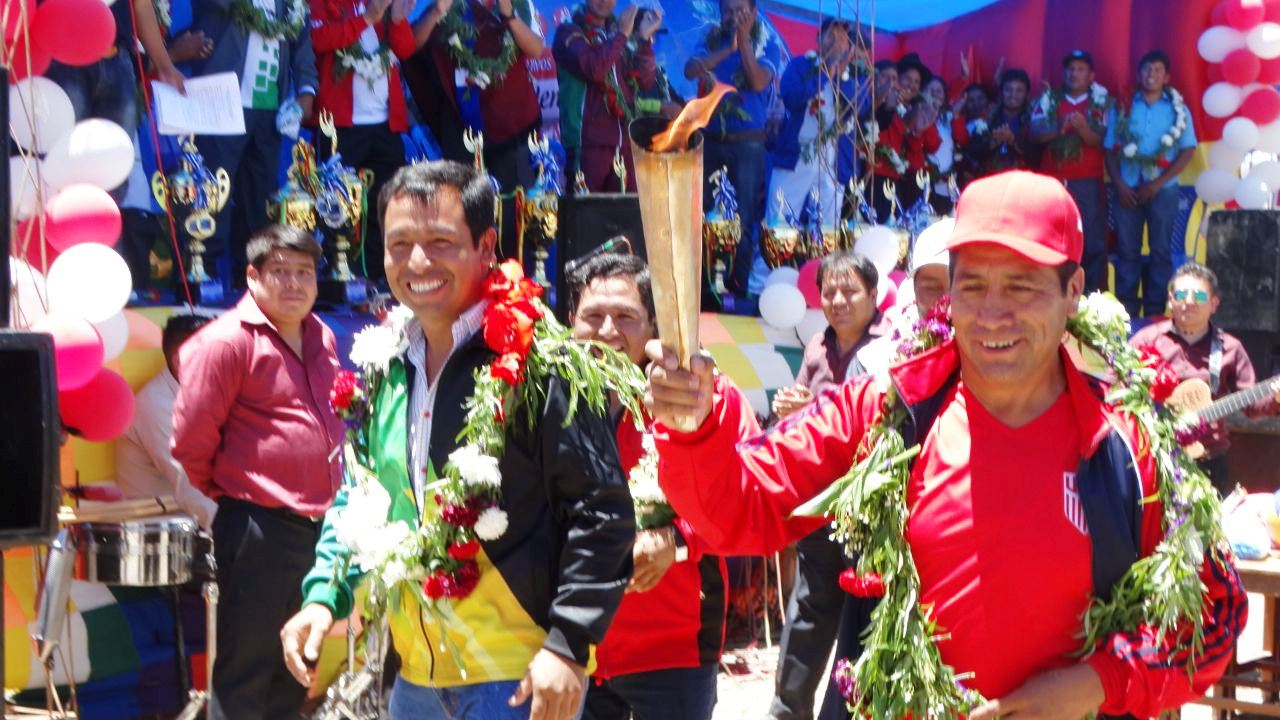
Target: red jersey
x=1090, y=161
x=995, y=526
x=338, y=24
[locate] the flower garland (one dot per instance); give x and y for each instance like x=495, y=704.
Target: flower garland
x=482, y=70
x=651, y=506
x=372, y=67
x=614, y=98
x=1152, y=164
x=436, y=561
x=252, y=18
x=164, y=15
x=870, y=514
x=1068, y=146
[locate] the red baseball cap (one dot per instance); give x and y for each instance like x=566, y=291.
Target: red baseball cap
x=1030, y=214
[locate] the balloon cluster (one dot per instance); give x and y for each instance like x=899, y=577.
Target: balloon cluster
x=1243, y=47
x=67, y=280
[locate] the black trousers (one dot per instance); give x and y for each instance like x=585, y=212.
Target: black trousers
x=262, y=557
x=1216, y=468
x=375, y=148
x=814, y=617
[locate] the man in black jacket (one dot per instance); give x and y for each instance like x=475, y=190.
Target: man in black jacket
x=562, y=557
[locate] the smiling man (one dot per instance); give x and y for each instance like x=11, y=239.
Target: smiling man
x=253, y=429
x=552, y=580
x=1007, y=427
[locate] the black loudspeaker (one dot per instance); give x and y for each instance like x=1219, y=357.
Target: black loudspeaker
x=30, y=432
x=586, y=222
x=1244, y=251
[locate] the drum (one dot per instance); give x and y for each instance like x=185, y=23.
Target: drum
x=147, y=552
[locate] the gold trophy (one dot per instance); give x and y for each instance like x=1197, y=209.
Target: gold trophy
x=722, y=229
x=781, y=242
x=205, y=192
x=538, y=208
x=340, y=203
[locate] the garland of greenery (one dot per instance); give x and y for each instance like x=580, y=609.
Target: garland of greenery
x=485, y=70
x=371, y=66
x=901, y=673
x=1152, y=164
x=1068, y=146
x=252, y=18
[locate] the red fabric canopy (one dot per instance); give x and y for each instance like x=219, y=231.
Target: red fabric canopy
x=1035, y=35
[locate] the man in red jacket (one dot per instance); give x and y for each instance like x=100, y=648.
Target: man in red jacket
x=1004, y=557
x=659, y=658
x=359, y=45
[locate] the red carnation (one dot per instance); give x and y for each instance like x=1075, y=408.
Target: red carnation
x=1164, y=384
x=343, y=392
x=464, y=580
x=508, y=327
x=464, y=550
x=1163, y=162
x=463, y=516
x=864, y=586
x=508, y=368
x=434, y=585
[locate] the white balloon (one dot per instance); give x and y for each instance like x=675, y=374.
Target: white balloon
x=29, y=302
x=1222, y=99
x=1269, y=138
x=1268, y=172
x=1264, y=40
x=1225, y=157
x=813, y=323
x=1254, y=194
x=96, y=151
x=1240, y=133
x=785, y=274
x=40, y=113
x=1218, y=41
x=114, y=332
x=881, y=246
x=1216, y=186
x=782, y=306
x=24, y=201
x=906, y=294
x=89, y=280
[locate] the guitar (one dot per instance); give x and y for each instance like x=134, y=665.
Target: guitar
x=1193, y=402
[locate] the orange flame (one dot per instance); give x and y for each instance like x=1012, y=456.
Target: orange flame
x=692, y=118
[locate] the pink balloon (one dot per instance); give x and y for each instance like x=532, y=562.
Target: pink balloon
x=1262, y=106
x=1241, y=67
x=18, y=49
x=74, y=32
x=808, y=284
x=1244, y=14
x=101, y=410
x=1269, y=71
x=82, y=213
x=1271, y=10
x=77, y=349
x=31, y=247
x=890, y=297
x=897, y=276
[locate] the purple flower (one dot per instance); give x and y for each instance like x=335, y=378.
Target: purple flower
x=843, y=677
x=1189, y=434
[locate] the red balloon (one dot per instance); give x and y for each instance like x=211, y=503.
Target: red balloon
x=17, y=18
x=32, y=247
x=77, y=349
x=1269, y=71
x=1262, y=106
x=74, y=32
x=82, y=213
x=1241, y=67
x=808, y=284
x=1231, y=205
x=101, y=410
x=1271, y=10
x=890, y=297
x=1244, y=14
x=17, y=51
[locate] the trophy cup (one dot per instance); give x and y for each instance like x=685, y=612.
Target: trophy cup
x=340, y=204
x=294, y=203
x=781, y=243
x=670, y=191
x=205, y=192
x=722, y=229
x=538, y=208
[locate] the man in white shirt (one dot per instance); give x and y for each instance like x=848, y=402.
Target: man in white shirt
x=144, y=465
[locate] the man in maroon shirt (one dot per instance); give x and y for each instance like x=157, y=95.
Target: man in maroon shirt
x=1005, y=560
x=253, y=429
x=1189, y=342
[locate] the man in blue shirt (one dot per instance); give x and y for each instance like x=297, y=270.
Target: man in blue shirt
x=1146, y=151
x=733, y=53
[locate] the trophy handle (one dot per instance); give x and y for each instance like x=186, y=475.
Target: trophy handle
x=160, y=189
x=328, y=130
x=224, y=190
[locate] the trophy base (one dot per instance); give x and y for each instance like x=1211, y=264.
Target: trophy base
x=206, y=292
x=344, y=292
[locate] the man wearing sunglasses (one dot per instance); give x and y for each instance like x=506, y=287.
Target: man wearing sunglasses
x=1196, y=348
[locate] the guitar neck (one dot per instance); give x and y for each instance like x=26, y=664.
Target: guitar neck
x=1237, y=401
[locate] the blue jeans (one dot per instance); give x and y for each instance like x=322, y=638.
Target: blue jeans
x=746, y=164
x=672, y=694
x=1093, y=215
x=1158, y=217
x=482, y=701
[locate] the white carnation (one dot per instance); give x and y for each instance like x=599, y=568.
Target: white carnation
x=375, y=346
x=1166, y=140
x=491, y=524
x=476, y=468
x=645, y=490
x=1130, y=150
x=455, y=41
x=1104, y=308
x=394, y=573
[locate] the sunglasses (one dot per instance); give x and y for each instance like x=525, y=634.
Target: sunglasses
x=1199, y=297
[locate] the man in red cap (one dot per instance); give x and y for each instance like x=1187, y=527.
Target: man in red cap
x=1010, y=431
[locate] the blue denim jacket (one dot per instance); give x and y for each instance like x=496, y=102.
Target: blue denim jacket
x=1147, y=123
x=801, y=82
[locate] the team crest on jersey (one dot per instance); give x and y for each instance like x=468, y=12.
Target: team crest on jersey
x=1072, y=508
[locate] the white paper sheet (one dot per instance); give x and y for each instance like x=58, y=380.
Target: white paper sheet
x=211, y=106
